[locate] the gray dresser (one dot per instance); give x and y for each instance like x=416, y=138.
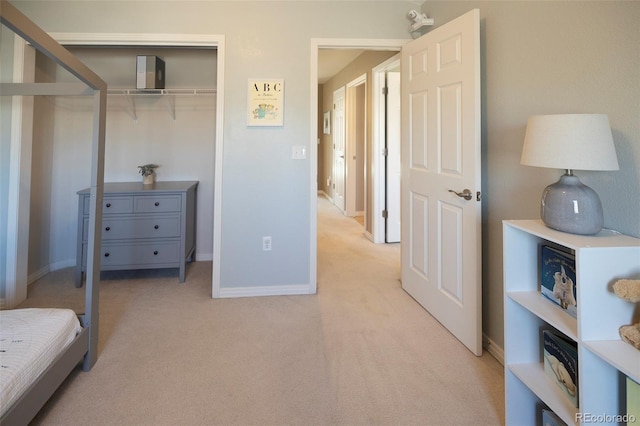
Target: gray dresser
x=143, y=226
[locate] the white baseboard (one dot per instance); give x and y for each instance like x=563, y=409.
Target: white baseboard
x=63, y=264
x=496, y=351
x=36, y=275
x=204, y=257
x=325, y=195
x=282, y=290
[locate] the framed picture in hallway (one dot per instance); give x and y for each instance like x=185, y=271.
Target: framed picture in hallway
x=327, y=123
x=265, y=104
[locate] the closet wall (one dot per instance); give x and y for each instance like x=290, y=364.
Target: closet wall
x=139, y=130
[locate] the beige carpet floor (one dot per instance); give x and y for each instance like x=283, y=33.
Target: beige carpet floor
x=359, y=352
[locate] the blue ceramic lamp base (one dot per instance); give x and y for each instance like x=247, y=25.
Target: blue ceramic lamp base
x=570, y=206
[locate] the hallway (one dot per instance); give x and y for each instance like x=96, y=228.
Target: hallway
x=341, y=240
x=391, y=362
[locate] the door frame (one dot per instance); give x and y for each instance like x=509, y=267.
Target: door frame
x=378, y=189
x=339, y=140
x=316, y=44
x=351, y=105
x=135, y=39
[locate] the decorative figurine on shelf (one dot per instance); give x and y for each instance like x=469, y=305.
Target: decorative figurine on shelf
x=629, y=290
x=148, y=172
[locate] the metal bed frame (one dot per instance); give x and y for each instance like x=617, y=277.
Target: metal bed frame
x=85, y=346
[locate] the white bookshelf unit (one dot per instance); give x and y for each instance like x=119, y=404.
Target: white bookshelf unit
x=603, y=358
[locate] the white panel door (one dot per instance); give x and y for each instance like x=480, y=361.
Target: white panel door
x=441, y=231
x=339, y=165
x=393, y=164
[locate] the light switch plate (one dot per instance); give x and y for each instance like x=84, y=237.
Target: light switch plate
x=298, y=152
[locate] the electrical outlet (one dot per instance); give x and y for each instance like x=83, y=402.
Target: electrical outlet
x=266, y=243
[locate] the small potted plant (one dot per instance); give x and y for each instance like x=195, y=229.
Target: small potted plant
x=148, y=172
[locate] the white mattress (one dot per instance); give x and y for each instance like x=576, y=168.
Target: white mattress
x=29, y=341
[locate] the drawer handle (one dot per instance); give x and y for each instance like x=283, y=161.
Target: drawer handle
x=155, y=252
x=108, y=228
x=108, y=205
x=157, y=203
x=156, y=227
x=106, y=254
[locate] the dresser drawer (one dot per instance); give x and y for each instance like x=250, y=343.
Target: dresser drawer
x=136, y=254
x=157, y=204
x=112, y=205
x=132, y=227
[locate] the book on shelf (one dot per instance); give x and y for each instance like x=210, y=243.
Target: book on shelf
x=561, y=363
x=558, y=278
x=549, y=418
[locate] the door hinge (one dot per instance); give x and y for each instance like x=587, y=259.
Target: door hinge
x=385, y=213
x=385, y=151
x=385, y=91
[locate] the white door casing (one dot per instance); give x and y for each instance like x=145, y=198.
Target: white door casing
x=353, y=130
x=441, y=232
x=378, y=158
x=393, y=163
x=339, y=165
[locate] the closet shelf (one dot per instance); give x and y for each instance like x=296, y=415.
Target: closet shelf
x=168, y=93
x=159, y=92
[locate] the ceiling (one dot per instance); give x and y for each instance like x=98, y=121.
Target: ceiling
x=332, y=61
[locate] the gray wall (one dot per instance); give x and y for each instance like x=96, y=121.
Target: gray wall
x=539, y=57
x=264, y=191
x=546, y=58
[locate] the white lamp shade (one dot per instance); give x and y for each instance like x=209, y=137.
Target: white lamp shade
x=569, y=141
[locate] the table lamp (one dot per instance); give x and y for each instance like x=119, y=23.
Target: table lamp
x=570, y=142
